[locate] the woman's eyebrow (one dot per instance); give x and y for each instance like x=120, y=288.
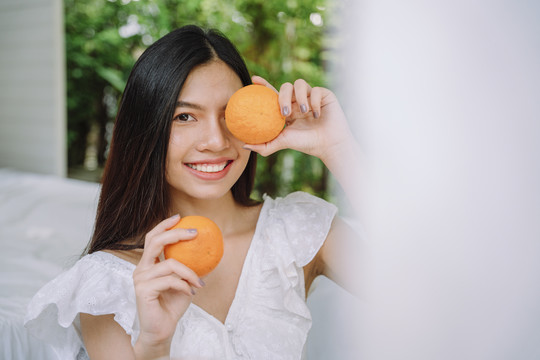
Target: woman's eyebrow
x=188, y=105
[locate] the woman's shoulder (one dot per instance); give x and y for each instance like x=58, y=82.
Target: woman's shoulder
x=98, y=283
x=93, y=278
x=121, y=256
x=301, y=204
x=295, y=197
x=121, y=262
x=91, y=274
x=296, y=226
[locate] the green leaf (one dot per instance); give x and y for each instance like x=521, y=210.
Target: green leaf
x=113, y=77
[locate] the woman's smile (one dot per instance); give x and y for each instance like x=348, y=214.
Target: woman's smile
x=209, y=169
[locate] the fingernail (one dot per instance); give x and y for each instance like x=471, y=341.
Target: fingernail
x=285, y=110
x=303, y=108
x=175, y=216
x=202, y=282
x=192, y=291
x=246, y=147
x=316, y=114
x=191, y=231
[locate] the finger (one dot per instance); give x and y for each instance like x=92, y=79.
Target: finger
x=154, y=245
x=263, y=149
x=315, y=100
x=259, y=80
x=285, y=98
x=165, y=283
x=301, y=92
x=169, y=267
x=164, y=225
x=268, y=148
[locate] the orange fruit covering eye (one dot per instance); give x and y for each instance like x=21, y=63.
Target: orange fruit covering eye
x=204, y=252
x=253, y=116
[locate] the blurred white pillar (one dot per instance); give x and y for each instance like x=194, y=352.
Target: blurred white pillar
x=32, y=86
x=445, y=97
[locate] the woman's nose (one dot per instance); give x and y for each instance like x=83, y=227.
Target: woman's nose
x=214, y=136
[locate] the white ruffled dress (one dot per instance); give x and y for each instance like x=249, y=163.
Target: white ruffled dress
x=268, y=319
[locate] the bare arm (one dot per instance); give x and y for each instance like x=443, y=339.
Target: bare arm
x=104, y=338
x=341, y=257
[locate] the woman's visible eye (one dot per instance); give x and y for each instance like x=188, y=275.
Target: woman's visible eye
x=184, y=117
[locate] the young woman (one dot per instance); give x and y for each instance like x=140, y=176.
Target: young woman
x=120, y=301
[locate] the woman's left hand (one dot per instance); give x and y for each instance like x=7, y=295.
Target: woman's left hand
x=315, y=122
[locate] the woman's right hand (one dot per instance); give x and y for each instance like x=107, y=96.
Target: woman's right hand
x=163, y=289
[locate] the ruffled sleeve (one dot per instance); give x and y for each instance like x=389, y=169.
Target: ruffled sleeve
x=301, y=222
x=98, y=284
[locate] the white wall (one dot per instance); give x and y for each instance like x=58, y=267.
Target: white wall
x=446, y=98
x=32, y=89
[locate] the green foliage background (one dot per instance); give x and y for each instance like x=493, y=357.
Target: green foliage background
x=281, y=40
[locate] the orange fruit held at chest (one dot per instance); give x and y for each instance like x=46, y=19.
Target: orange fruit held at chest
x=201, y=254
x=253, y=115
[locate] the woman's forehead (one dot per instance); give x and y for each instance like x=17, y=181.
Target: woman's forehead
x=214, y=79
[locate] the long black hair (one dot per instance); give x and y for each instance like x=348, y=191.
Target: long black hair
x=135, y=195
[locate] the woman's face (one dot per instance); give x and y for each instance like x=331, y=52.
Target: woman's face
x=204, y=160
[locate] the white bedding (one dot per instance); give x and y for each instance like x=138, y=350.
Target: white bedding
x=45, y=223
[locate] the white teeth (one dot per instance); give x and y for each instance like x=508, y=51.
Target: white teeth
x=208, y=168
